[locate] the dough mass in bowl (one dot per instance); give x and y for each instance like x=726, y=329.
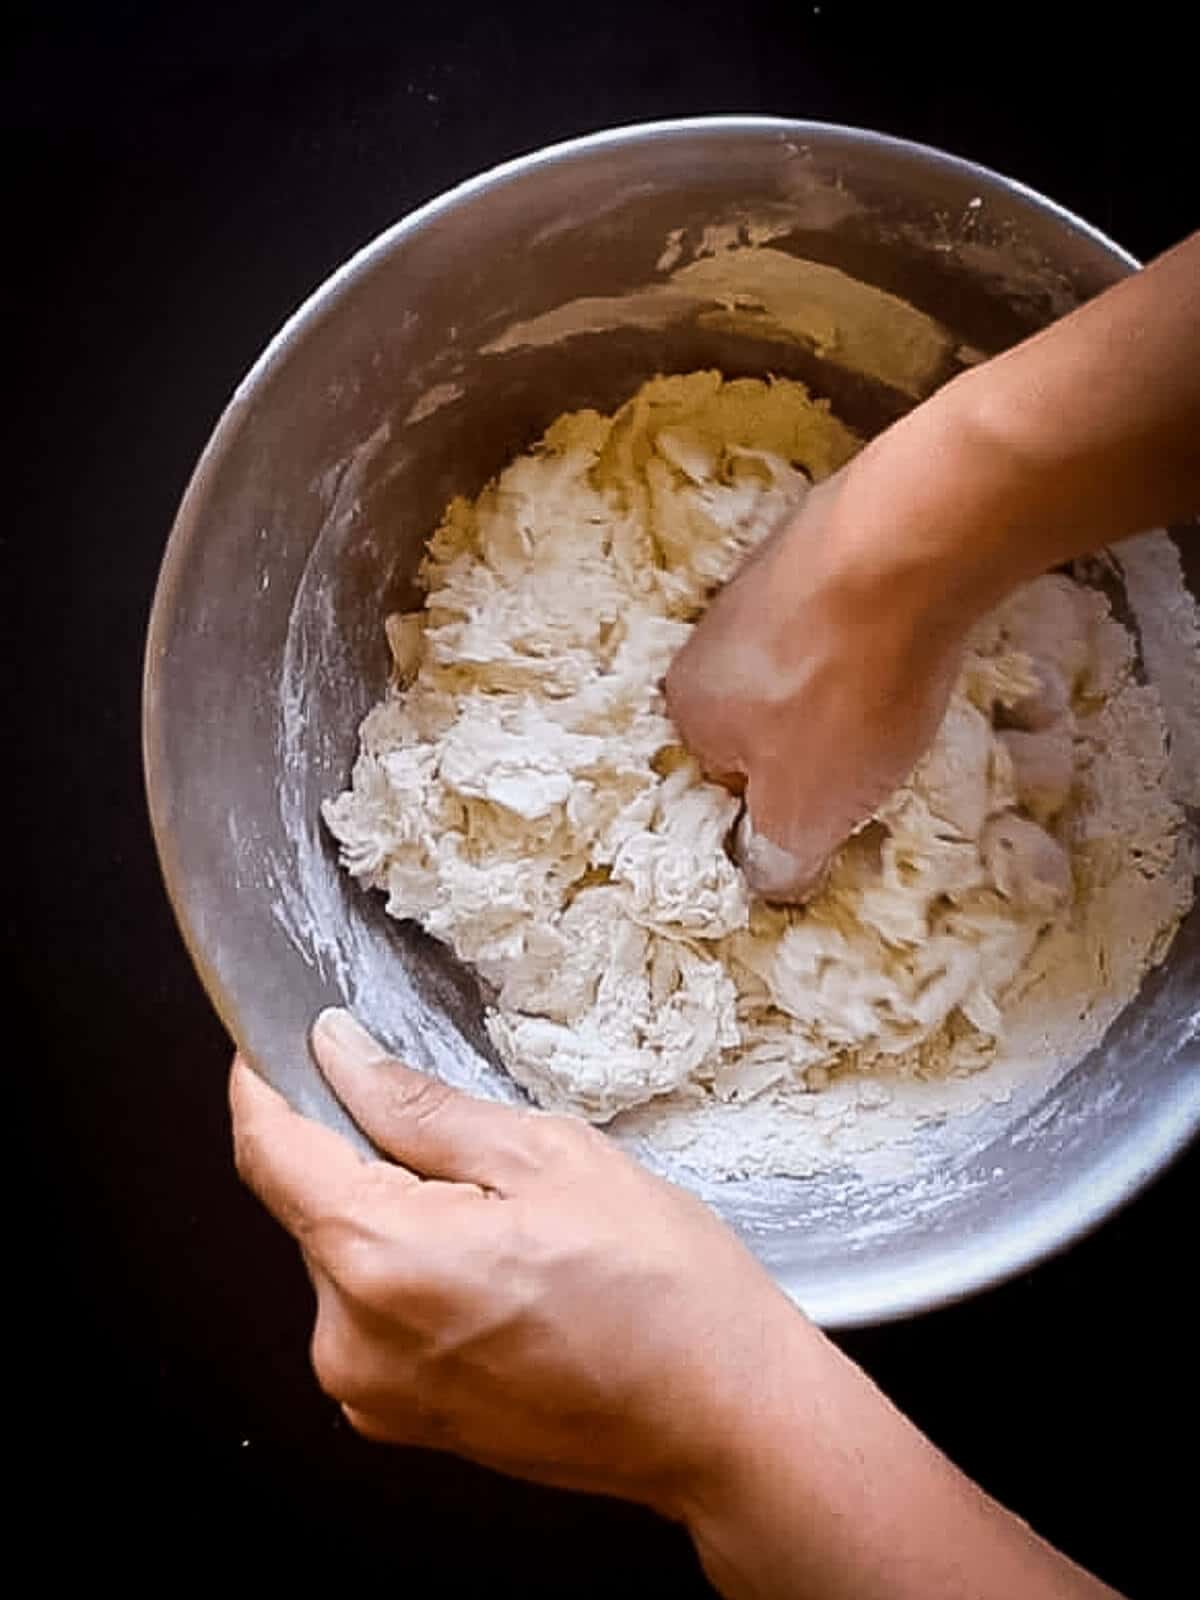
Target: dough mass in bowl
x=523, y=795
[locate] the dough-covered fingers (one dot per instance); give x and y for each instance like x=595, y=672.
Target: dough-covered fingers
x=771, y=871
x=800, y=810
x=422, y=1123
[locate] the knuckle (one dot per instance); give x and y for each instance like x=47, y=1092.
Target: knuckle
x=674, y=681
x=330, y=1356
x=563, y=1139
x=247, y=1154
x=379, y=1430
x=421, y=1102
x=363, y=1273
x=344, y=1361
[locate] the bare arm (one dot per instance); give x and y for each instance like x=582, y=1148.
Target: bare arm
x=1085, y=433
x=834, y=1495
x=515, y=1289
x=820, y=674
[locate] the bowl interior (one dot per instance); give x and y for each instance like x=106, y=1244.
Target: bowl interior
x=414, y=374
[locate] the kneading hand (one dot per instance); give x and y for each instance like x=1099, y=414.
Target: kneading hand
x=814, y=688
x=818, y=676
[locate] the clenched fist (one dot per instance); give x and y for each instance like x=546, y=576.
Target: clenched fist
x=818, y=676
x=814, y=683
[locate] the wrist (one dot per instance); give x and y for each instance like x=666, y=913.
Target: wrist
x=936, y=518
x=768, y=1470
x=738, y=1403
x=822, y=1487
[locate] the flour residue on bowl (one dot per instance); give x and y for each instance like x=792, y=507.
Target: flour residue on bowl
x=522, y=794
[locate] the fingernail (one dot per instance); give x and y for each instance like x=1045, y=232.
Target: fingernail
x=345, y=1035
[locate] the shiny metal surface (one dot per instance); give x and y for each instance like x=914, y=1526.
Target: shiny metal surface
x=305, y=519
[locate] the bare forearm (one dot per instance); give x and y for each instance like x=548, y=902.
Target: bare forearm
x=832, y=1495
x=1086, y=433
x=1101, y=411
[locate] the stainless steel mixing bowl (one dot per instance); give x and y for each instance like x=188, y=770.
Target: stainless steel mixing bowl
x=305, y=520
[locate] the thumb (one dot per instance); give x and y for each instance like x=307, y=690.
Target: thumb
x=425, y=1125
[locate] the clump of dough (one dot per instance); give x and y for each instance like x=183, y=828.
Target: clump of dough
x=523, y=795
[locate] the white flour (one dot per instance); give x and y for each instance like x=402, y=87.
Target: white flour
x=522, y=794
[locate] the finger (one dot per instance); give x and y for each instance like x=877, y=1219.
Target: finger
x=787, y=876
x=351, y=1366
x=377, y=1429
x=399, y=1428
x=706, y=722
x=424, y=1124
x=301, y=1172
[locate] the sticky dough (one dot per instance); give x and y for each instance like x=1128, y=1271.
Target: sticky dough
x=523, y=795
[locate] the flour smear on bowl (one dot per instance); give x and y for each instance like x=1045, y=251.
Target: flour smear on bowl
x=522, y=794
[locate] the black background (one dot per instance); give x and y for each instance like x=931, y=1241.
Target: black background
x=182, y=177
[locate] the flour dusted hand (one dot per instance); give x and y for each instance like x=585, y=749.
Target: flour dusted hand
x=525, y=796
